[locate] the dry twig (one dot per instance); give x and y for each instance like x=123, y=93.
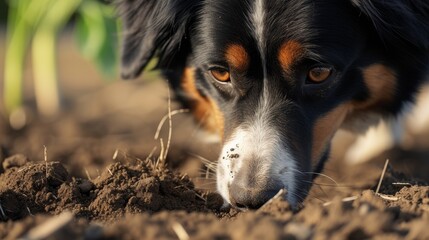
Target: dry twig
x=347, y=199
x=115, y=154
x=382, y=176
x=45, y=154
x=387, y=197
x=402, y=184
x=180, y=231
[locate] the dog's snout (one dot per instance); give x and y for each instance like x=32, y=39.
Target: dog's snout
x=248, y=197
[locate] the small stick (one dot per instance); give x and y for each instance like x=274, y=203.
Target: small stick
x=161, y=154
x=347, y=199
x=200, y=197
x=180, y=231
x=109, y=171
x=115, y=154
x=389, y=198
x=402, y=184
x=382, y=176
x=45, y=153
x=183, y=176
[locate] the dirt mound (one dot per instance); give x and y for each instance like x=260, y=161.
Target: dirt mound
x=28, y=188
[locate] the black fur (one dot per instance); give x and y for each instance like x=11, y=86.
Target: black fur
x=153, y=27
x=398, y=23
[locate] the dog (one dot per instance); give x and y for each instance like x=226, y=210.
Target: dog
x=275, y=79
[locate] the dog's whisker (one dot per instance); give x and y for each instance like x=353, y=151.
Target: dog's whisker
x=212, y=165
x=319, y=174
x=326, y=184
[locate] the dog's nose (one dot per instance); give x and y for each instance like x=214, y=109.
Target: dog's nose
x=250, y=198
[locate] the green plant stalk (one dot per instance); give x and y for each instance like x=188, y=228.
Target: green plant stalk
x=17, y=40
x=13, y=69
x=45, y=72
x=44, y=55
x=23, y=17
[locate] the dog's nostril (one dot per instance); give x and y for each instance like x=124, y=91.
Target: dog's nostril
x=249, y=198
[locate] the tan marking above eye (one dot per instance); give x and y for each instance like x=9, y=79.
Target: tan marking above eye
x=237, y=57
x=319, y=74
x=220, y=75
x=289, y=53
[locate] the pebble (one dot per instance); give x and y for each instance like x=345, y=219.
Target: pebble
x=86, y=186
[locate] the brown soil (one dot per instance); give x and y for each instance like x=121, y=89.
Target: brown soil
x=97, y=178
x=144, y=200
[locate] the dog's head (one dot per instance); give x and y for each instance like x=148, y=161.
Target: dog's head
x=277, y=78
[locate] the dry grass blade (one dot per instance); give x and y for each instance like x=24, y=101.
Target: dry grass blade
x=161, y=123
x=170, y=126
x=388, y=198
x=161, y=154
x=87, y=174
x=45, y=154
x=402, y=184
x=382, y=176
x=180, y=231
x=164, y=151
x=115, y=154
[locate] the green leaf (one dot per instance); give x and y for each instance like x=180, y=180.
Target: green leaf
x=97, y=36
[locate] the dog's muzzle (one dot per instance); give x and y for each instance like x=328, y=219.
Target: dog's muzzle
x=254, y=166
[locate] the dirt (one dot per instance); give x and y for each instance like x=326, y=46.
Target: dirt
x=94, y=172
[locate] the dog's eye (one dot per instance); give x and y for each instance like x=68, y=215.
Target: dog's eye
x=319, y=74
x=221, y=75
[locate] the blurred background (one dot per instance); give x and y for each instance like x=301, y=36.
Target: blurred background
x=32, y=35
x=59, y=88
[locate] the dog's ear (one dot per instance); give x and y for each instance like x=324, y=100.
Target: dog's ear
x=153, y=27
x=398, y=21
